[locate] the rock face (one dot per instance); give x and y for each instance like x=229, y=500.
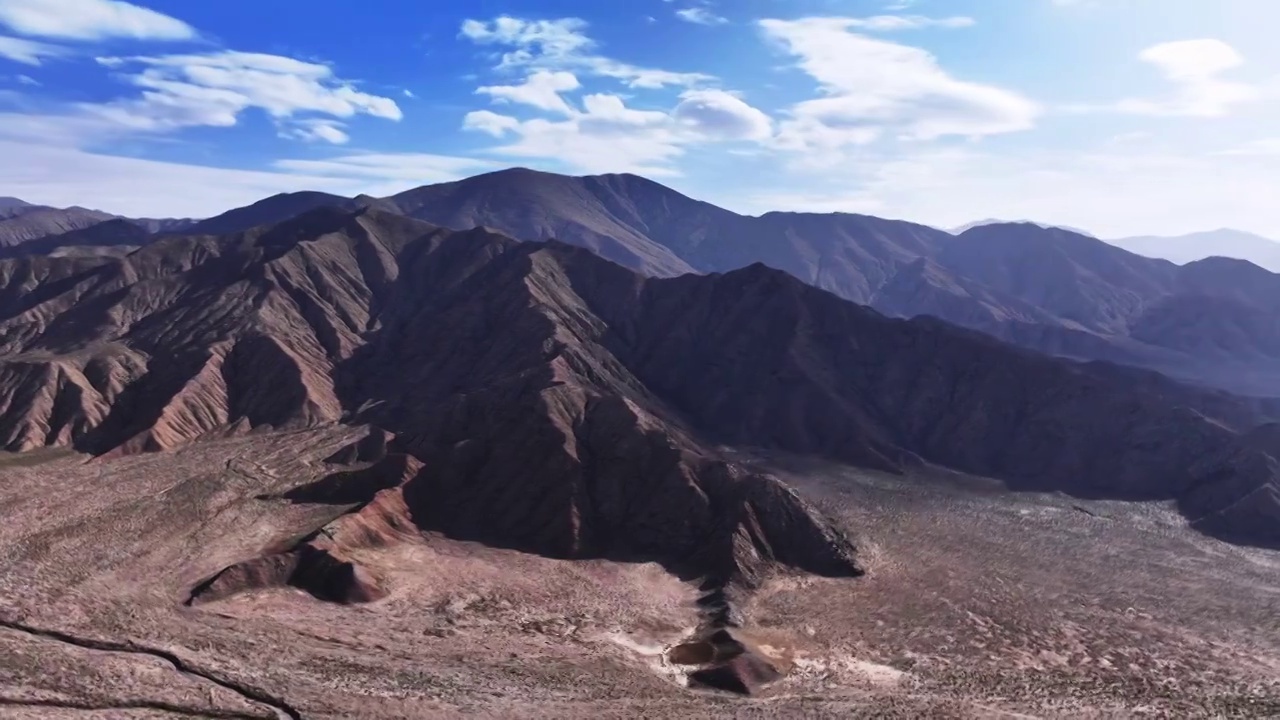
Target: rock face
x=563, y=404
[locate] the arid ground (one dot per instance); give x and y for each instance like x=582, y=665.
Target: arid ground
x=977, y=602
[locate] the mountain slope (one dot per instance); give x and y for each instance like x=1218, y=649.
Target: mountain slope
x=603, y=391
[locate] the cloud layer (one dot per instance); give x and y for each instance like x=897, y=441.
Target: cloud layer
x=90, y=20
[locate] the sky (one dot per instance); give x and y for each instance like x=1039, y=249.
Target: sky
x=1121, y=117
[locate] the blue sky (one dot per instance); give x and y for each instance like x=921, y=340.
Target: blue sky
x=1119, y=116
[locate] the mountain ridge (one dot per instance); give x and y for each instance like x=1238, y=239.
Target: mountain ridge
x=1048, y=289
x=487, y=357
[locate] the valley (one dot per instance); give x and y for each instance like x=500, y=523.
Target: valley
x=976, y=603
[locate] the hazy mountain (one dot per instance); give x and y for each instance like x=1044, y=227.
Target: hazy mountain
x=1183, y=249
x=11, y=206
x=603, y=391
x=163, y=225
x=22, y=223
x=1075, y=278
x=109, y=236
x=994, y=221
x=32, y=223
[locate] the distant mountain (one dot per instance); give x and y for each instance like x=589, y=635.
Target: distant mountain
x=563, y=404
x=1077, y=279
x=163, y=225
x=614, y=216
x=22, y=223
x=31, y=223
x=11, y=206
x=106, y=237
x=1183, y=249
x=993, y=221
x=274, y=209
x=648, y=227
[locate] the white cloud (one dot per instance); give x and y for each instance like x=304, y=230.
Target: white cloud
x=408, y=93
x=562, y=44
x=872, y=87
x=1195, y=68
x=541, y=90
x=700, y=16
x=721, y=115
x=90, y=20
x=399, y=170
x=63, y=176
x=1265, y=147
x=607, y=136
x=59, y=130
x=490, y=123
x=316, y=130
x=27, y=52
x=889, y=23
x=28, y=80
x=213, y=89
x=551, y=38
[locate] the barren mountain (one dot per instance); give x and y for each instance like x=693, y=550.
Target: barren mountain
x=994, y=221
x=274, y=209
x=599, y=213
x=12, y=206
x=371, y=409
x=488, y=357
x=33, y=222
x=36, y=229
x=650, y=228
x=1225, y=242
x=115, y=236
x=1049, y=289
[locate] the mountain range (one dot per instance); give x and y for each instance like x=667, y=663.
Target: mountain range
x=1043, y=288
x=606, y=390
x=587, y=435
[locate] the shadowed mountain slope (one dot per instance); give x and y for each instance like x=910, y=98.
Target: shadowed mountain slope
x=565, y=404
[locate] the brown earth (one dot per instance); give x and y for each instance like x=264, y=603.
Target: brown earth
x=977, y=603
